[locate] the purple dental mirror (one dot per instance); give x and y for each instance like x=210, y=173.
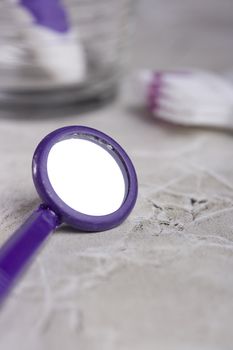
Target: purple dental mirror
x=85, y=179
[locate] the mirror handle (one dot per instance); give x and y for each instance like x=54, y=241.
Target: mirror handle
x=21, y=246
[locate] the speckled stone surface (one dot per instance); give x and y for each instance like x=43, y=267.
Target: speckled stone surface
x=163, y=279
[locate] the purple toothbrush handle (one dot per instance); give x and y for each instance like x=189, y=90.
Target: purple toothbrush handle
x=22, y=245
x=48, y=13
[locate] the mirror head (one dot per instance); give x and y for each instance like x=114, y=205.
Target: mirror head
x=85, y=177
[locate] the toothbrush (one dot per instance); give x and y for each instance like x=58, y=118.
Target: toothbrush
x=55, y=45
x=188, y=97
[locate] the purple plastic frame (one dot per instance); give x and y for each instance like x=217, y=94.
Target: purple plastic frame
x=50, y=198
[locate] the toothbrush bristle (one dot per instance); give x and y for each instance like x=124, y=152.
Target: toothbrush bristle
x=190, y=97
x=154, y=90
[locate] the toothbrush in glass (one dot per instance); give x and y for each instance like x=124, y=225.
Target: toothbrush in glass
x=54, y=44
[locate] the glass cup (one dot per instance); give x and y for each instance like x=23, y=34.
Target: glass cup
x=39, y=65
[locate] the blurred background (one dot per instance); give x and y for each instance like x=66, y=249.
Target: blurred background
x=184, y=34
x=76, y=50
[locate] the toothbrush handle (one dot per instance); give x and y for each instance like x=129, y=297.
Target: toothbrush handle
x=50, y=14
x=23, y=244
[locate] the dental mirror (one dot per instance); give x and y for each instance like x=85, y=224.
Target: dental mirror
x=85, y=179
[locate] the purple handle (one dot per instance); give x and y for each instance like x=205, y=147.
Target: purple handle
x=48, y=13
x=20, y=247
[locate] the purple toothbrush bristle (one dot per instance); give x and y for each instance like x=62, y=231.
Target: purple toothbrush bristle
x=154, y=91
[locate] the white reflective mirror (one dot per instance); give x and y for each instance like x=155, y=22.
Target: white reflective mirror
x=86, y=177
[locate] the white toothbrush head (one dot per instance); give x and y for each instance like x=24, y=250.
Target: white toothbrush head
x=190, y=98
x=194, y=98
x=61, y=55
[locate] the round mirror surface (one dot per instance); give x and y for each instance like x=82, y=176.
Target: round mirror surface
x=86, y=176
